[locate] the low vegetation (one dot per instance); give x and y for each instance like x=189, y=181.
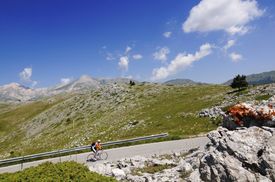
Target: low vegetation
x=66, y=171
x=262, y=97
x=152, y=168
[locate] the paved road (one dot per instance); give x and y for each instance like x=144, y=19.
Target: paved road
x=119, y=153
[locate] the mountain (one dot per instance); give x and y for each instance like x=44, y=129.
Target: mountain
x=85, y=82
x=15, y=92
x=258, y=79
x=180, y=82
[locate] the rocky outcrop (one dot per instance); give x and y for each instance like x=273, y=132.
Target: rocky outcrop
x=246, y=154
x=213, y=112
x=251, y=114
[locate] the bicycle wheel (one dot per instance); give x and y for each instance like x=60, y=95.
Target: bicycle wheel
x=91, y=157
x=103, y=155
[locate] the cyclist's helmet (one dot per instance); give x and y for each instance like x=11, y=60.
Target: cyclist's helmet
x=98, y=141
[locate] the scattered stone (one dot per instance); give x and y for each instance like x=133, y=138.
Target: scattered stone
x=214, y=112
x=118, y=174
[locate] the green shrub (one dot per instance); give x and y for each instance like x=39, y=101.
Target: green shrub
x=262, y=97
x=60, y=172
x=239, y=82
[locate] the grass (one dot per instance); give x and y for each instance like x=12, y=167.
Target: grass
x=80, y=119
x=65, y=171
x=166, y=156
x=262, y=97
x=184, y=174
x=11, y=122
x=172, y=104
x=152, y=168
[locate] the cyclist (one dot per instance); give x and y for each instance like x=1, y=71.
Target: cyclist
x=96, y=146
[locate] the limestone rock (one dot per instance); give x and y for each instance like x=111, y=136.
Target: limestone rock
x=118, y=173
x=240, y=155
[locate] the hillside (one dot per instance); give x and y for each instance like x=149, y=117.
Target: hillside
x=111, y=112
x=258, y=79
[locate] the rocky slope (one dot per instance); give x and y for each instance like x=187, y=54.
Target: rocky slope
x=246, y=154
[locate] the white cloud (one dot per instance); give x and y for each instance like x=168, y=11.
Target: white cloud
x=34, y=83
x=229, y=44
x=181, y=61
x=26, y=75
x=125, y=59
x=241, y=30
x=129, y=77
x=167, y=34
x=137, y=56
x=235, y=57
x=128, y=49
x=231, y=16
x=65, y=80
x=161, y=54
x=123, y=62
x=110, y=57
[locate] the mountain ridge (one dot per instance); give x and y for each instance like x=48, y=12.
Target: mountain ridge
x=180, y=81
x=15, y=92
x=258, y=78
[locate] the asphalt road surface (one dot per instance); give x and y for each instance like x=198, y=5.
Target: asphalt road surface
x=123, y=152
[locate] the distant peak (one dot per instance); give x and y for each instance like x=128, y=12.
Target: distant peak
x=14, y=85
x=85, y=78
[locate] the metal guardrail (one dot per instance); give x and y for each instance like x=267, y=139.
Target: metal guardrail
x=66, y=151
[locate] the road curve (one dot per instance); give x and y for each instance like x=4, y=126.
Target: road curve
x=123, y=152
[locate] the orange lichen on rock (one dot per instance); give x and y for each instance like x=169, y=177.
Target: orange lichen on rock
x=259, y=113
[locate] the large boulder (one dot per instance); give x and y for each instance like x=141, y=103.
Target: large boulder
x=246, y=154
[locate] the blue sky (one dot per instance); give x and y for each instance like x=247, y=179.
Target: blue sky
x=42, y=42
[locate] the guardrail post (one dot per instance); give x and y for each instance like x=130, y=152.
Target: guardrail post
x=59, y=156
x=22, y=163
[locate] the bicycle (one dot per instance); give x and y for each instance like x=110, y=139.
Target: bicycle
x=100, y=155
